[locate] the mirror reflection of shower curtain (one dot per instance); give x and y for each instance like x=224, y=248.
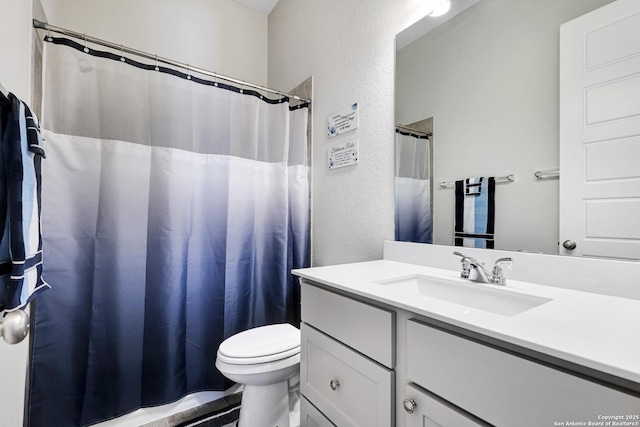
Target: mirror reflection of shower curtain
x=173, y=213
x=413, y=188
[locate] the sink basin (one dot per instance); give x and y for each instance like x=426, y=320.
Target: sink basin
x=483, y=297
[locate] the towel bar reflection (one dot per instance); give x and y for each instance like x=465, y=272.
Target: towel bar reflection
x=507, y=178
x=547, y=173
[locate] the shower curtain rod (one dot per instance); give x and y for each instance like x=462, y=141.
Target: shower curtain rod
x=428, y=134
x=51, y=28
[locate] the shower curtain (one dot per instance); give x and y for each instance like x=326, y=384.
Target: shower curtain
x=413, y=188
x=173, y=211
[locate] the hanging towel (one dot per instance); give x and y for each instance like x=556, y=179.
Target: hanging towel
x=475, y=212
x=21, y=240
x=472, y=186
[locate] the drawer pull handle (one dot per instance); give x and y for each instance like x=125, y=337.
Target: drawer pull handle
x=410, y=405
x=334, y=384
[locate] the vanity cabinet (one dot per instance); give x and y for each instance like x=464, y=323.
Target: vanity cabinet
x=347, y=348
x=365, y=363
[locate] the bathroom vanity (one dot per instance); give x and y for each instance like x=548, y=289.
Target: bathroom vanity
x=394, y=343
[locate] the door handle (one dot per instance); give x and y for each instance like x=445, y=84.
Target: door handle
x=569, y=245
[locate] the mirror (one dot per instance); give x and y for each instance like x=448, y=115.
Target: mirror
x=488, y=80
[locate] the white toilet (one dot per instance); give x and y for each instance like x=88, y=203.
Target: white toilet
x=266, y=360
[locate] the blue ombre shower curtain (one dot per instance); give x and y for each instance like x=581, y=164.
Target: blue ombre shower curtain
x=413, y=222
x=173, y=212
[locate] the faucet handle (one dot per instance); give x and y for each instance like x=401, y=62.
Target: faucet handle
x=506, y=260
x=497, y=275
x=466, y=265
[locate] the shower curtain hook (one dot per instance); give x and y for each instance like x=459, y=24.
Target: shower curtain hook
x=49, y=38
x=157, y=68
x=122, y=53
x=215, y=79
x=188, y=72
x=242, y=87
x=86, y=49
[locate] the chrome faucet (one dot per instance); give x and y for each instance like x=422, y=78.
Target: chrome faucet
x=496, y=277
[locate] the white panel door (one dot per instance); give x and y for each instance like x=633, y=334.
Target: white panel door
x=600, y=133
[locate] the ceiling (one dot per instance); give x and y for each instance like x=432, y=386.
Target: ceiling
x=264, y=6
x=428, y=23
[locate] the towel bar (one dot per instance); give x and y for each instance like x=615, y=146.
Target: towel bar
x=547, y=173
x=507, y=178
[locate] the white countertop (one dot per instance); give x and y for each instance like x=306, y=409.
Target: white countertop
x=596, y=331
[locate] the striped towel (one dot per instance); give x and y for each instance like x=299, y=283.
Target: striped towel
x=21, y=241
x=475, y=212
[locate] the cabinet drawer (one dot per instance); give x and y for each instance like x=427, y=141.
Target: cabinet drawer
x=430, y=411
x=368, y=329
x=311, y=417
x=363, y=389
x=503, y=389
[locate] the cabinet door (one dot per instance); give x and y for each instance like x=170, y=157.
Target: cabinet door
x=426, y=410
x=311, y=417
x=350, y=389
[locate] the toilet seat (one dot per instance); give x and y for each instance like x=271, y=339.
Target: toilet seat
x=265, y=344
x=244, y=369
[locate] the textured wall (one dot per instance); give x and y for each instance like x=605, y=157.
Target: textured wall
x=349, y=48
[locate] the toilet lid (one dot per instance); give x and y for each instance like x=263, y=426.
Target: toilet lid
x=260, y=345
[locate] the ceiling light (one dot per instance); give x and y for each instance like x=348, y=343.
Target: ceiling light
x=442, y=9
